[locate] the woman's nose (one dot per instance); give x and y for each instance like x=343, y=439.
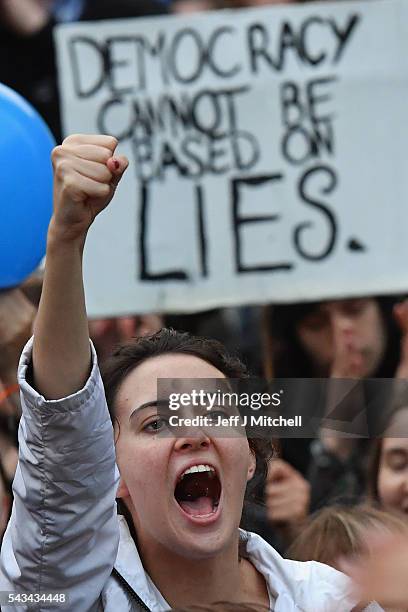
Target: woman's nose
x=194, y=439
x=341, y=322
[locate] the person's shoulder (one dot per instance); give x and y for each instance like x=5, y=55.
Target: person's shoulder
x=311, y=584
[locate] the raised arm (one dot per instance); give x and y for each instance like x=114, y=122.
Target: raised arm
x=63, y=531
x=86, y=174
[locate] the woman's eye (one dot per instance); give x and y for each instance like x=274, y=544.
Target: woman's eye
x=158, y=424
x=216, y=414
x=314, y=322
x=398, y=465
x=354, y=307
x=397, y=461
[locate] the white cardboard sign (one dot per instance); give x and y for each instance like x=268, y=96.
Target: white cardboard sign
x=268, y=152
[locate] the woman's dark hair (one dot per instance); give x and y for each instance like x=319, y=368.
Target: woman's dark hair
x=373, y=470
x=289, y=360
x=131, y=354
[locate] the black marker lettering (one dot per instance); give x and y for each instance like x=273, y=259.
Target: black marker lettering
x=85, y=90
x=145, y=274
x=343, y=36
x=238, y=221
x=314, y=99
x=292, y=107
x=175, y=56
x=322, y=208
x=258, y=42
x=316, y=59
x=201, y=230
x=214, y=39
x=288, y=40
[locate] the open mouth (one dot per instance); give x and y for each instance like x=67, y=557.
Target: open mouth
x=198, y=491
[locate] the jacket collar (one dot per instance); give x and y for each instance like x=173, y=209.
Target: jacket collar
x=129, y=564
x=294, y=585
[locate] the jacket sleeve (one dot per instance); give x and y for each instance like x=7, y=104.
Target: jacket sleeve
x=63, y=533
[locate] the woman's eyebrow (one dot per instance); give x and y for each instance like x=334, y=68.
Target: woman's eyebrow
x=397, y=450
x=151, y=404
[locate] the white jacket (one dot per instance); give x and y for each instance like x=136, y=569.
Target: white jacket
x=64, y=533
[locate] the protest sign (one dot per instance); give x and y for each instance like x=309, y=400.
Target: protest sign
x=267, y=149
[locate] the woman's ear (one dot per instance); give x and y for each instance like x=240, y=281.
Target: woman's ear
x=122, y=491
x=251, y=466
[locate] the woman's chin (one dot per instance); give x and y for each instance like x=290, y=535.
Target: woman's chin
x=203, y=535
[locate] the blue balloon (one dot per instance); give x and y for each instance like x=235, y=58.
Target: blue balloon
x=25, y=187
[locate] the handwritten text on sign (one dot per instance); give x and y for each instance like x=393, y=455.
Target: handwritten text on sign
x=266, y=149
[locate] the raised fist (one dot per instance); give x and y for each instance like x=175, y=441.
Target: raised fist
x=86, y=174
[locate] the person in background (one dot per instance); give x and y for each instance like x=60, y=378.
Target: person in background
x=310, y=339
x=375, y=348
x=388, y=475
x=369, y=544
x=357, y=338
x=381, y=575
x=339, y=531
x=16, y=318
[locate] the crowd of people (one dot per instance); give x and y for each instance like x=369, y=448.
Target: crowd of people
x=155, y=535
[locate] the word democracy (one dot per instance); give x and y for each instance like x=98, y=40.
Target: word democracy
x=132, y=63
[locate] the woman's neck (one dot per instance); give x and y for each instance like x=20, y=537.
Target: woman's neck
x=184, y=581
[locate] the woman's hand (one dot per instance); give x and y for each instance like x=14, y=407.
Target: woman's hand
x=86, y=174
x=349, y=366
x=348, y=359
x=287, y=495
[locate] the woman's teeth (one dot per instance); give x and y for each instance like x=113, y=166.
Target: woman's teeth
x=197, y=468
